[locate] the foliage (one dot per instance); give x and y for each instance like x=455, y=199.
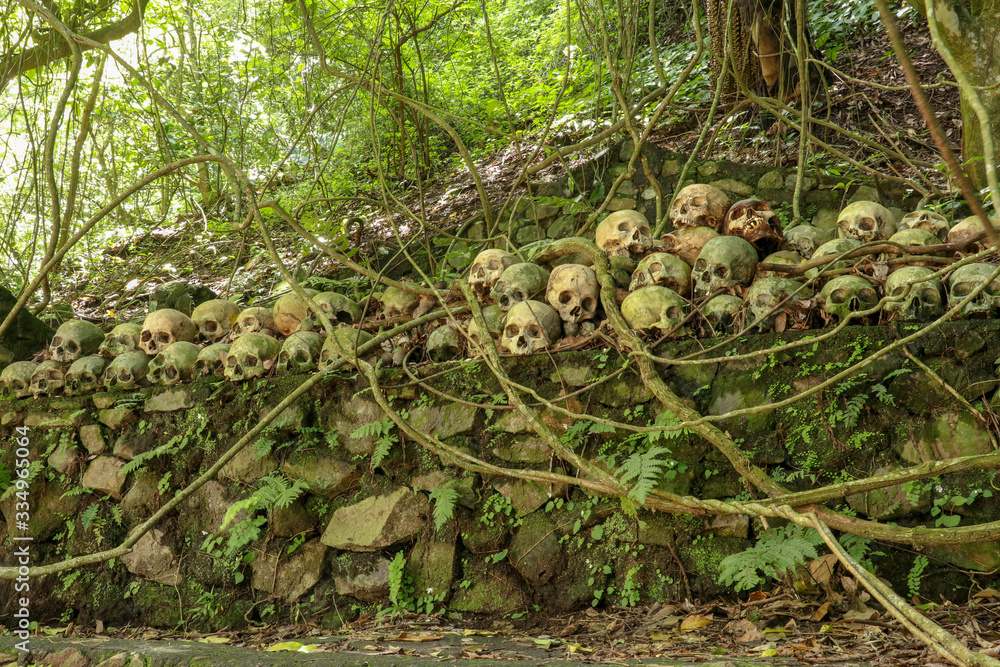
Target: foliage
x=776, y=554
x=383, y=431
x=272, y=491
x=444, y=498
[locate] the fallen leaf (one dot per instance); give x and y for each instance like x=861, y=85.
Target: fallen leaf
x=215, y=639
x=745, y=632
x=820, y=613
x=821, y=569
x=695, y=621
x=757, y=596
x=293, y=646
x=417, y=637
x=987, y=593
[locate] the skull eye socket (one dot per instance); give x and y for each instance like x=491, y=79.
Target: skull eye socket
x=673, y=313
x=231, y=360
x=589, y=303
x=645, y=231
x=302, y=357
x=869, y=296
x=867, y=224
x=655, y=267
x=962, y=289
x=624, y=226
x=210, y=326
x=171, y=373
x=511, y=331
x=125, y=377
x=721, y=272
x=252, y=360
x=534, y=331
x=700, y=265
x=146, y=336
x=57, y=341
x=565, y=298
x=899, y=290
x=698, y=200
x=520, y=295
x=930, y=295
x=72, y=347
x=494, y=265
x=840, y=296
x=163, y=338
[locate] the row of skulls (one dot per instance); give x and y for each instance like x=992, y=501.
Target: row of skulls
x=218, y=339
x=711, y=258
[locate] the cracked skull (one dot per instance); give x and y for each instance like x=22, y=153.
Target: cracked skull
x=299, y=353
x=487, y=268
x=866, y=221
x=754, y=221
x=214, y=319
x=804, y=239
x=765, y=295
x=665, y=270
x=725, y=263
x=929, y=221
x=290, y=310
x=127, y=371
x=687, y=242
x=655, y=308
x=699, y=206
x=443, y=344
x=165, y=327
x=211, y=360
x=624, y=234
x=75, y=339
x=251, y=356
x=339, y=308
x=253, y=320
x=123, y=338
x=530, y=326
x=844, y=295
x=573, y=291
x=48, y=379
x=84, y=375
x=398, y=302
x=722, y=313
x=175, y=364
x=518, y=283
x=920, y=299
x=15, y=380
x=967, y=278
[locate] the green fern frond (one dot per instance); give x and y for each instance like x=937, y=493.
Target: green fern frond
x=444, y=498
x=643, y=470
x=772, y=557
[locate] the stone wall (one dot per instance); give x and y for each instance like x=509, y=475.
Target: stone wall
x=107, y=461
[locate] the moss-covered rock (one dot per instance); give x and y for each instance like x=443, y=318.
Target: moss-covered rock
x=377, y=522
x=326, y=475
x=493, y=588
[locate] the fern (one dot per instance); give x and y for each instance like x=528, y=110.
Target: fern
x=88, y=516
x=643, y=470
x=274, y=491
x=772, y=557
x=382, y=431
x=444, y=498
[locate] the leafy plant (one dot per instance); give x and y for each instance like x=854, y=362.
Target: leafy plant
x=915, y=575
x=385, y=437
x=775, y=555
x=444, y=498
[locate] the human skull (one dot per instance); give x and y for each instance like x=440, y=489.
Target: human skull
x=494, y=322
x=968, y=228
x=214, y=319
x=623, y=234
x=783, y=257
x=804, y=239
x=573, y=291
x=164, y=327
x=75, y=339
x=48, y=379
x=211, y=360
x=398, y=302
x=722, y=313
x=175, y=364
x=866, y=221
x=84, y=375
x=15, y=380
x=343, y=344
x=665, y=270
x=443, y=344
x=725, y=263
x=929, y=221
x=289, y=311
x=844, y=295
x=921, y=300
x=655, y=308
x=530, y=326
x=338, y=307
x=127, y=371
x=687, y=242
x=518, y=283
x=765, y=295
x=833, y=248
x=487, y=268
x=914, y=236
x=123, y=338
x=251, y=356
x=967, y=278
x=755, y=221
x=699, y=206
x=253, y=320
x=299, y=353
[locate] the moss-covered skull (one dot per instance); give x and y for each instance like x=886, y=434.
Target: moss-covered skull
x=127, y=371
x=929, y=221
x=290, y=310
x=487, y=268
x=530, y=326
x=624, y=234
x=15, y=380
x=165, y=327
x=916, y=236
x=337, y=307
x=782, y=257
x=48, y=379
x=519, y=283
x=251, y=356
x=299, y=353
x=494, y=321
x=844, y=295
x=214, y=319
x=75, y=339
x=687, y=242
x=655, y=308
x=834, y=247
x=665, y=270
x=765, y=295
x=343, y=344
x=123, y=338
x=725, y=263
x=866, y=221
x=968, y=228
x=175, y=364
x=398, y=302
x=211, y=360
x=919, y=299
x=573, y=291
x=253, y=320
x=967, y=278
x=84, y=375
x=443, y=344
x=722, y=313
x=804, y=239
x=699, y=206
